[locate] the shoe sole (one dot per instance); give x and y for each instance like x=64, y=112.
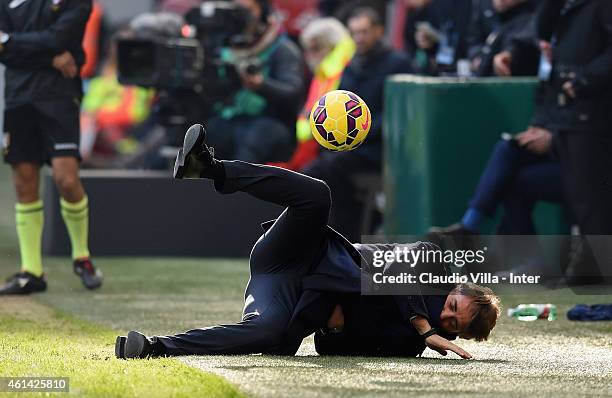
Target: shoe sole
x=194, y=137
x=134, y=344
x=120, y=347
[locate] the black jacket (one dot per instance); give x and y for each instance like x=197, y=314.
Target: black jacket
x=516, y=28
x=39, y=30
x=365, y=75
x=338, y=278
x=283, y=89
x=482, y=22
x=451, y=18
x=582, y=53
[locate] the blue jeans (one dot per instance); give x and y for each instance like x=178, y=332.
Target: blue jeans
x=258, y=139
x=517, y=179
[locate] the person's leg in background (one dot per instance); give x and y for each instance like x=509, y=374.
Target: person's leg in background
x=521, y=248
x=586, y=161
x=59, y=122
x=23, y=150
x=540, y=181
x=263, y=139
x=338, y=170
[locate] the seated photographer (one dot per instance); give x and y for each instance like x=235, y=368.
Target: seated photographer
x=257, y=123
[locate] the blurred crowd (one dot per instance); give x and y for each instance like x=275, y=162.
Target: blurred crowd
x=307, y=48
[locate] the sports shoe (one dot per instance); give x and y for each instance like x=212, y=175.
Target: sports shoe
x=90, y=276
x=195, y=156
x=24, y=283
x=136, y=345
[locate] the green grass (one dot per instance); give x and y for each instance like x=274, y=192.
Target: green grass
x=39, y=341
x=162, y=296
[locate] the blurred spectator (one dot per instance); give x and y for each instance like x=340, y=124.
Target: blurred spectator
x=342, y=9
x=515, y=28
x=328, y=48
x=482, y=22
x=520, y=172
x=579, y=99
x=93, y=41
x=177, y=6
x=258, y=125
x=365, y=75
x=436, y=34
x=296, y=15
x=109, y=111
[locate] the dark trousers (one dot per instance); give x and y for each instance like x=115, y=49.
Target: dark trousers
x=339, y=170
x=518, y=179
x=279, y=260
x=258, y=139
x=586, y=164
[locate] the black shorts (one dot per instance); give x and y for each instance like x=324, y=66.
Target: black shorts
x=41, y=131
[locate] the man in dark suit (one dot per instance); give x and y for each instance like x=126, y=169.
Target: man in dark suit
x=579, y=99
x=306, y=277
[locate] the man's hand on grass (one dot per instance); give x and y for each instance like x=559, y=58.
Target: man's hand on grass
x=66, y=64
x=441, y=345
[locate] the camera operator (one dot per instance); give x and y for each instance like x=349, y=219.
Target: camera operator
x=257, y=125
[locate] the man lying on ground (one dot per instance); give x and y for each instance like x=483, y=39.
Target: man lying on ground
x=306, y=277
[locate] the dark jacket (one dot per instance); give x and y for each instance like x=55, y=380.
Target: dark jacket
x=365, y=75
x=516, y=28
x=483, y=21
x=374, y=327
x=449, y=17
x=337, y=278
x=283, y=88
x=39, y=30
x=582, y=53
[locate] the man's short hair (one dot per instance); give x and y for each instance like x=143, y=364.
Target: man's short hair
x=487, y=308
x=368, y=12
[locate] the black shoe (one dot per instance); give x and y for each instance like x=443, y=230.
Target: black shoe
x=24, y=283
x=195, y=156
x=453, y=237
x=90, y=276
x=136, y=345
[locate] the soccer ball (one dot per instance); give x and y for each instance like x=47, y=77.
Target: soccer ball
x=340, y=121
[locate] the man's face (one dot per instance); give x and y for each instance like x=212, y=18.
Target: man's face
x=365, y=35
x=501, y=6
x=417, y=4
x=314, y=53
x=457, y=313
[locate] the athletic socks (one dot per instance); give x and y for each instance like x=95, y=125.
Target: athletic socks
x=472, y=219
x=29, y=219
x=76, y=217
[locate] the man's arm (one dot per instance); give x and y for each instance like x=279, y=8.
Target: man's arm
x=436, y=342
x=286, y=87
x=14, y=59
x=68, y=27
